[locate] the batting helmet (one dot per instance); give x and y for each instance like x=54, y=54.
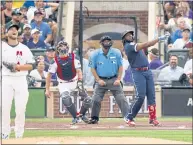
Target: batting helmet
x=103, y=38
x=126, y=32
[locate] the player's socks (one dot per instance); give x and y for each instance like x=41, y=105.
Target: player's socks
x=152, y=112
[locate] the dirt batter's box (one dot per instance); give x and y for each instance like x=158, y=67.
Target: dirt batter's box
x=109, y=107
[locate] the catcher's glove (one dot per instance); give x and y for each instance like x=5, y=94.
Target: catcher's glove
x=31, y=81
x=10, y=66
x=81, y=91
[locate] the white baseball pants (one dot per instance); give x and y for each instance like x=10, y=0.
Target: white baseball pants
x=14, y=87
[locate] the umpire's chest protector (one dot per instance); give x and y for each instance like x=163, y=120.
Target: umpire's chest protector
x=65, y=67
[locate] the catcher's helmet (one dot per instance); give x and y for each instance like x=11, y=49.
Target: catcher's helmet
x=126, y=32
x=60, y=45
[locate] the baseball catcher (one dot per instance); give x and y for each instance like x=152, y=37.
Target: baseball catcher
x=69, y=75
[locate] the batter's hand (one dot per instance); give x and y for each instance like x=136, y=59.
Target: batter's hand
x=116, y=83
x=102, y=83
x=47, y=93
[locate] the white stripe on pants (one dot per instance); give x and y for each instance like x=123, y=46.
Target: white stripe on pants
x=17, y=88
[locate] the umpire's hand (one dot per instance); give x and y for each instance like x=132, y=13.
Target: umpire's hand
x=117, y=82
x=101, y=82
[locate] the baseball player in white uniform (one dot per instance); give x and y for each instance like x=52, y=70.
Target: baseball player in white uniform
x=17, y=60
x=68, y=70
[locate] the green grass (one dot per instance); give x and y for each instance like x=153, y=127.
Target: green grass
x=176, y=135
x=189, y=119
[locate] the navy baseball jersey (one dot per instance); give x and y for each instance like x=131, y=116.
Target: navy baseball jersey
x=137, y=59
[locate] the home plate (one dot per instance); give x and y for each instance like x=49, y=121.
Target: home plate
x=74, y=127
x=182, y=127
x=121, y=126
x=83, y=142
x=48, y=142
x=99, y=127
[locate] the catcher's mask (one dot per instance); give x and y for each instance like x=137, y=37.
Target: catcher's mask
x=125, y=33
x=62, y=48
x=108, y=44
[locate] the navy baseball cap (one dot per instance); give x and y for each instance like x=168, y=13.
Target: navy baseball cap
x=13, y=25
x=186, y=30
x=37, y=12
x=50, y=48
x=16, y=12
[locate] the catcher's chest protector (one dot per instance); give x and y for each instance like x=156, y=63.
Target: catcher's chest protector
x=66, y=68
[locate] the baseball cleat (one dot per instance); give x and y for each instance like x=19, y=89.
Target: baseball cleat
x=4, y=136
x=74, y=121
x=154, y=123
x=19, y=136
x=131, y=123
x=85, y=119
x=93, y=121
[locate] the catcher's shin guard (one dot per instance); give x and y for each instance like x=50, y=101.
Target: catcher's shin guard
x=67, y=102
x=86, y=104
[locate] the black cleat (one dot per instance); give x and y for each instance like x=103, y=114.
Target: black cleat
x=93, y=121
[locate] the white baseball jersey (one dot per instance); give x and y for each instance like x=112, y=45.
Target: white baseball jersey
x=53, y=67
x=19, y=54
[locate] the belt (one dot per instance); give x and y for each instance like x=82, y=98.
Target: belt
x=73, y=80
x=107, y=78
x=142, y=68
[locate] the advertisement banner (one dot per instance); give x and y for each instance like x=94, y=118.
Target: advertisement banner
x=177, y=101
x=36, y=106
x=110, y=105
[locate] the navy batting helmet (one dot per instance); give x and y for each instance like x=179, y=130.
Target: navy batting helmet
x=126, y=32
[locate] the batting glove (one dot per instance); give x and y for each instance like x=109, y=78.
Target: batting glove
x=164, y=37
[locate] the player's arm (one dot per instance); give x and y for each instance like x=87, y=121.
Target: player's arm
x=144, y=45
x=48, y=80
x=140, y=46
x=25, y=67
x=78, y=69
x=52, y=69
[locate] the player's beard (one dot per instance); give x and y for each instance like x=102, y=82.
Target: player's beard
x=12, y=37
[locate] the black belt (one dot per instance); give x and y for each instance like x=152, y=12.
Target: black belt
x=108, y=78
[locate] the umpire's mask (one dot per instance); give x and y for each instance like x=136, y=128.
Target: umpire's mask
x=106, y=42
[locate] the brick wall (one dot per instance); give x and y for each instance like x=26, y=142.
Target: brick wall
x=142, y=20
x=106, y=110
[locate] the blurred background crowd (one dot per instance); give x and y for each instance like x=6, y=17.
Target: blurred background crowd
x=38, y=28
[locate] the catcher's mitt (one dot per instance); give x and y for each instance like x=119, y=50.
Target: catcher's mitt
x=10, y=66
x=81, y=91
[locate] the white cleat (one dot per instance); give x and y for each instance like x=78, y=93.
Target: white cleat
x=131, y=123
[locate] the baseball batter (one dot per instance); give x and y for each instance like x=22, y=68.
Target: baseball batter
x=142, y=77
x=17, y=60
x=69, y=75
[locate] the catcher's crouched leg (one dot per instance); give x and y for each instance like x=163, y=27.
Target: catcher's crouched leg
x=86, y=104
x=67, y=102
